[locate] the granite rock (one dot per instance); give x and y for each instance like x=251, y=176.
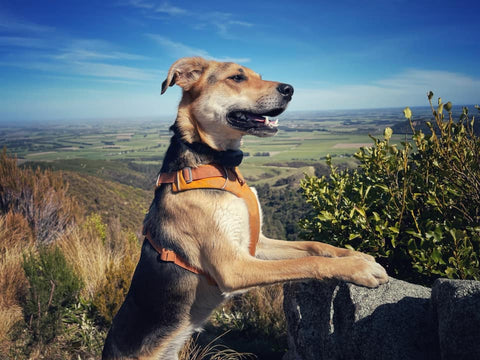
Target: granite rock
x=456, y=307
x=336, y=320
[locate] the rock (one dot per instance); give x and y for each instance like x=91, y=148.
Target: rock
x=336, y=320
x=456, y=305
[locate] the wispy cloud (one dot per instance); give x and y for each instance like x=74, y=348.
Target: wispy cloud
x=105, y=70
x=91, y=49
x=10, y=23
x=53, y=53
x=408, y=88
x=222, y=22
x=24, y=42
x=89, y=69
x=165, y=7
x=170, y=9
x=177, y=49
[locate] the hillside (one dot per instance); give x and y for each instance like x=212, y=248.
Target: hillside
x=110, y=199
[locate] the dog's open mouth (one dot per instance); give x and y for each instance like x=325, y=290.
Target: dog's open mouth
x=254, y=123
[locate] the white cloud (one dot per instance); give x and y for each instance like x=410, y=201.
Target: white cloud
x=92, y=69
x=25, y=42
x=79, y=57
x=170, y=9
x=177, y=50
x=141, y=4
x=11, y=23
x=223, y=22
x=408, y=88
x=90, y=49
x=113, y=71
x=165, y=7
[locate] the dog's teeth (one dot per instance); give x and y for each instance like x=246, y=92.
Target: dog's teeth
x=274, y=122
x=267, y=120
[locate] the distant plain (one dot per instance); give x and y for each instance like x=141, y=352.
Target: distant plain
x=304, y=140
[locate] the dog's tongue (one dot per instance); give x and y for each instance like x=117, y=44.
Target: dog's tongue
x=258, y=118
x=264, y=119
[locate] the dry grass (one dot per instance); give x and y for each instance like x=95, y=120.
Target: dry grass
x=16, y=238
x=40, y=196
x=84, y=249
x=193, y=351
x=93, y=248
x=260, y=311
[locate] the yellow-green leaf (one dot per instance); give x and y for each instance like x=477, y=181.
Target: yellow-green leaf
x=388, y=133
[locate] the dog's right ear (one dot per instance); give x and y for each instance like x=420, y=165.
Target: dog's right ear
x=185, y=72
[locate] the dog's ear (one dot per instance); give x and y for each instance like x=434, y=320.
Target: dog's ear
x=185, y=72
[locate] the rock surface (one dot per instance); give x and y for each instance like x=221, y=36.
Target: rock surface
x=399, y=320
x=456, y=305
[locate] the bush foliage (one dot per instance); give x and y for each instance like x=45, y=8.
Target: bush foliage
x=415, y=207
x=53, y=288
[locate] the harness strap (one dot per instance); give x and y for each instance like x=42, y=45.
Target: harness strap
x=194, y=174
x=170, y=256
x=211, y=176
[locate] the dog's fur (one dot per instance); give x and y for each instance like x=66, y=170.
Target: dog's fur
x=210, y=228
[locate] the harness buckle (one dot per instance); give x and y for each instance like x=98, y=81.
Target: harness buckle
x=189, y=173
x=168, y=255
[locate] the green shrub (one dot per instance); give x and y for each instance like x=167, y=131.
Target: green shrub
x=82, y=334
x=53, y=287
x=416, y=208
x=94, y=224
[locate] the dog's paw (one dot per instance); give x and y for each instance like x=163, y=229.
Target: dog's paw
x=347, y=252
x=362, y=271
x=363, y=255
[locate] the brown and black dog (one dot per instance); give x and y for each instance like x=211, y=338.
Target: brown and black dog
x=210, y=229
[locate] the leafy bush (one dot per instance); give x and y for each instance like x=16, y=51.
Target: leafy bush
x=416, y=208
x=82, y=334
x=53, y=287
x=282, y=209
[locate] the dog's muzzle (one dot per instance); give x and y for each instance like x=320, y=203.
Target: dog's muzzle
x=257, y=121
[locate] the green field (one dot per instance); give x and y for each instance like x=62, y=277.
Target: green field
x=105, y=149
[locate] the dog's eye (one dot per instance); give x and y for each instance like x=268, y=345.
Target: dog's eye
x=238, y=78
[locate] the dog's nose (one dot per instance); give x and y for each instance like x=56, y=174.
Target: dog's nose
x=285, y=89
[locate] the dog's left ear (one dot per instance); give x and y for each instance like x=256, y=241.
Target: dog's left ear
x=185, y=72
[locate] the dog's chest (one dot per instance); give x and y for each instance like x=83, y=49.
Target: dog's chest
x=232, y=221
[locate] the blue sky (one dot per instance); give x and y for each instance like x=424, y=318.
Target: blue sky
x=106, y=59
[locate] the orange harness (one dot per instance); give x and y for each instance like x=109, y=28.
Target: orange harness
x=211, y=176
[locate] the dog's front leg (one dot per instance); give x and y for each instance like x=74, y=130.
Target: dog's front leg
x=272, y=249
x=242, y=272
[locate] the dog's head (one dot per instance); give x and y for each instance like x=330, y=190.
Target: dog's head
x=221, y=102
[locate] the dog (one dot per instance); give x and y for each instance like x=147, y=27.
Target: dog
x=204, y=243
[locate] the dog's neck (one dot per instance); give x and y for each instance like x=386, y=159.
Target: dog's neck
x=182, y=153
x=217, y=137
